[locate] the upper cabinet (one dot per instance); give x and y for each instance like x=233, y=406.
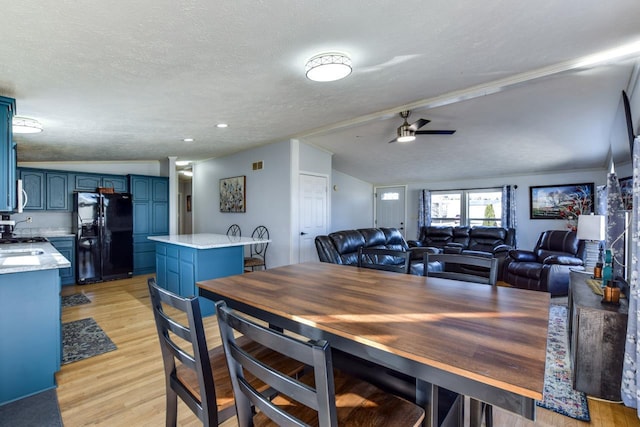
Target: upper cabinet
x=7, y=156
x=90, y=182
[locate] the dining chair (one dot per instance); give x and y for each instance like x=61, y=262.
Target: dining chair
x=234, y=231
x=321, y=396
x=192, y=371
x=257, y=251
x=384, y=259
x=466, y=268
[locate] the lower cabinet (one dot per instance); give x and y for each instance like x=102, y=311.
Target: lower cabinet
x=597, y=334
x=31, y=349
x=178, y=268
x=67, y=247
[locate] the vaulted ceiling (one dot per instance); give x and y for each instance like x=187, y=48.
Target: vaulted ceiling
x=129, y=80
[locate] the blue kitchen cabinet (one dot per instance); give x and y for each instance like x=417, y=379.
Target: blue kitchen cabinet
x=91, y=181
x=180, y=267
x=46, y=190
x=33, y=183
x=7, y=156
x=31, y=332
x=58, y=196
x=150, y=217
x=66, y=245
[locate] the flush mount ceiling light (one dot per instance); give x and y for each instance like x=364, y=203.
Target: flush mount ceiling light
x=182, y=162
x=188, y=139
x=328, y=67
x=26, y=125
x=222, y=125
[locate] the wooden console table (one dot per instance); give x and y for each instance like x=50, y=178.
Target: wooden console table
x=597, y=334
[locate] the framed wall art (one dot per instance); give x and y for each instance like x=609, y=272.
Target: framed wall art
x=561, y=201
x=626, y=190
x=232, y=194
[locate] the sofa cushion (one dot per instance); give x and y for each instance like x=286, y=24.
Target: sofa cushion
x=373, y=237
x=394, y=239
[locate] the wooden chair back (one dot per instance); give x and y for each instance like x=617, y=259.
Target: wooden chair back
x=193, y=355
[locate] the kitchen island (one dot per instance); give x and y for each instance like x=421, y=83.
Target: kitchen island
x=184, y=259
x=30, y=328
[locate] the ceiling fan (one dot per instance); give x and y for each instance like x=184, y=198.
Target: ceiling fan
x=407, y=132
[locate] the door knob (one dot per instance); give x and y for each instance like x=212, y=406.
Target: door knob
x=302, y=233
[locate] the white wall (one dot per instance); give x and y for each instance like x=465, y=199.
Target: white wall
x=351, y=202
x=528, y=230
x=267, y=196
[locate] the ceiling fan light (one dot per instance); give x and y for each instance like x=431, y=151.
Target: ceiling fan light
x=328, y=67
x=21, y=124
x=406, y=138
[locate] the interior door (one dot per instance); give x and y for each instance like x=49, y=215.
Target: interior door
x=391, y=208
x=313, y=214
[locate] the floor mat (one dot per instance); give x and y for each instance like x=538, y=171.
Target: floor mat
x=82, y=339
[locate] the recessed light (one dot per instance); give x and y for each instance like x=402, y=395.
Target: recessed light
x=182, y=162
x=222, y=125
x=188, y=139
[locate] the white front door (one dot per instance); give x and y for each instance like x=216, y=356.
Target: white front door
x=313, y=214
x=391, y=208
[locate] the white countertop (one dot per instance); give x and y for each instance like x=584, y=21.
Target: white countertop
x=207, y=240
x=22, y=257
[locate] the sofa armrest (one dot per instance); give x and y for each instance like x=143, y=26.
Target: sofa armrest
x=418, y=253
x=562, y=260
x=522, y=256
x=502, y=249
x=414, y=243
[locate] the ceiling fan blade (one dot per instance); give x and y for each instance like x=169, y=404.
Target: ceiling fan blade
x=393, y=140
x=418, y=124
x=435, y=132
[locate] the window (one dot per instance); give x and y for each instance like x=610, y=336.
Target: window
x=467, y=207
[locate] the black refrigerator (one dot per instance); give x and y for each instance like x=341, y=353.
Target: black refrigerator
x=104, y=236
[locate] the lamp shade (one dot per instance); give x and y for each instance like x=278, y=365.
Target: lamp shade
x=591, y=227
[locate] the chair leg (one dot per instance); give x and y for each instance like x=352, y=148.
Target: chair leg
x=172, y=408
x=488, y=415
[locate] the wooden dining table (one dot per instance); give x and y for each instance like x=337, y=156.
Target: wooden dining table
x=487, y=343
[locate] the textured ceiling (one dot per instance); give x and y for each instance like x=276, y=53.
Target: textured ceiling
x=129, y=80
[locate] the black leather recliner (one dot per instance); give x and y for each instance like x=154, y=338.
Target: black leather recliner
x=547, y=267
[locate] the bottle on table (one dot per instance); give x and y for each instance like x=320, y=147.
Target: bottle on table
x=597, y=270
x=607, y=271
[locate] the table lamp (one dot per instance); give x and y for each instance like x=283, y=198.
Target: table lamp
x=591, y=230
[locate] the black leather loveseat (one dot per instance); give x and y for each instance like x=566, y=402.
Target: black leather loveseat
x=495, y=242
x=341, y=247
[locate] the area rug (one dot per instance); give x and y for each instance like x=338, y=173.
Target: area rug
x=82, y=339
x=41, y=410
x=559, y=395
x=74, y=299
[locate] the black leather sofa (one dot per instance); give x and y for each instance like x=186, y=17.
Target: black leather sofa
x=495, y=242
x=547, y=267
x=341, y=247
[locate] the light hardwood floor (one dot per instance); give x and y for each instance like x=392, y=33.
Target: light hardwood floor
x=126, y=387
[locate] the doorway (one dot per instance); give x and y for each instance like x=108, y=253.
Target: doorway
x=391, y=208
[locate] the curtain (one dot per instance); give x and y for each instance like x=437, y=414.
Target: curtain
x=424, y=212
x=615, y=223
x=630, y=374
x=601, y=198
x=509, y=209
